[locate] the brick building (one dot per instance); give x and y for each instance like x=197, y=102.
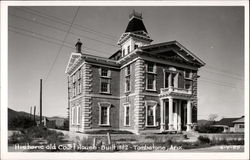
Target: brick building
x=141, y=88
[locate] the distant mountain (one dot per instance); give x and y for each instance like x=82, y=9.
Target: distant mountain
x=15, y=114
x=203, y=122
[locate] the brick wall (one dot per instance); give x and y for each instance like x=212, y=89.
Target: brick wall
x=114, y=81
x=114, y=113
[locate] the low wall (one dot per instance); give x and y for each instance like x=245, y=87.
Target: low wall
x=221, y=136
x=120, y=138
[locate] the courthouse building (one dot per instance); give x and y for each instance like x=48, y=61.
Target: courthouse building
x=141, y=88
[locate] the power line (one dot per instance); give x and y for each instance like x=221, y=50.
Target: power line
x=49, y=37
x=63, y=30
x=219, y=84
x=45, y=39
x=65, y=22
x=224, y=74
x=223, y=70
x=205, y=78
x=59, y=51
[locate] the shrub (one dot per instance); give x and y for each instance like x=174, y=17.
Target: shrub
x=203, y=140
x=20, y=122
x=207, y=128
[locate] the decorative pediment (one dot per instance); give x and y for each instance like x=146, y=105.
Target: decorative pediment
x=73, y=58
x=173, y=51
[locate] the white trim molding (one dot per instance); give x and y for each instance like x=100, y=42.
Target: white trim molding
x=125, y=106
x=101, y=105
x=154, y=105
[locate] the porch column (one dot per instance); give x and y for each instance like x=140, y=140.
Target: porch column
x=179, y=116
x=162, y=115
x=170, y=122
x=189, y=115
x=170, y=80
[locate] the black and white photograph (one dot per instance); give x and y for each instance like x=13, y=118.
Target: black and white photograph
x=125, y=80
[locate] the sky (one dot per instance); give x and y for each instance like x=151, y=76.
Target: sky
x=36, y=34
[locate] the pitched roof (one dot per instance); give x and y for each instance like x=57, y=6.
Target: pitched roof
x=135, y=24
x=226, y=121
x=186, y=53
x=241, y=120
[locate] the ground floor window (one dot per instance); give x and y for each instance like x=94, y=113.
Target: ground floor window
x=126, y=114
x=241, y=126
x=78, y=115
x=104, y=113
x=150, y=113
x=73, y=115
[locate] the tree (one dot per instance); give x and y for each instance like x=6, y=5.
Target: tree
x=212, y=117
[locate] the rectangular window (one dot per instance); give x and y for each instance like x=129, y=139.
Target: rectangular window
x=72, y=115
x=128, y=70
x=78, y=115
x=126, y=115
x=127, y=84
x=151, y=76
x=104, y=113
x=104, y=72
x=150, y=113
x=128, y=49
x=151, y=82
x=127, y=78
x=105, y=85
x=151, y=68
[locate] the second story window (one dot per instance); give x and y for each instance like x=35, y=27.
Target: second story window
x=105, y=85
x=127, y=78
x=151, y=77
x=151, y=68
x=128, y=49
x=105, y=72
x=105, y=76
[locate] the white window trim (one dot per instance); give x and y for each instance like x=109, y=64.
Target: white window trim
x=154, y=68
x=127, y=75
x=72, y=115
x=154, y=103
x=78, y=115
x=109, y=86
x=108, y=113
x=108, y=74
x=125, y=105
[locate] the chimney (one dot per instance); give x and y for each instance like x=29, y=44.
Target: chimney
x=78, y=46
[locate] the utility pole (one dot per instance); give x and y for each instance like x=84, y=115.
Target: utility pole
x=34, y=115
x=41, y=81
x=68, y=98
x=31, y=112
